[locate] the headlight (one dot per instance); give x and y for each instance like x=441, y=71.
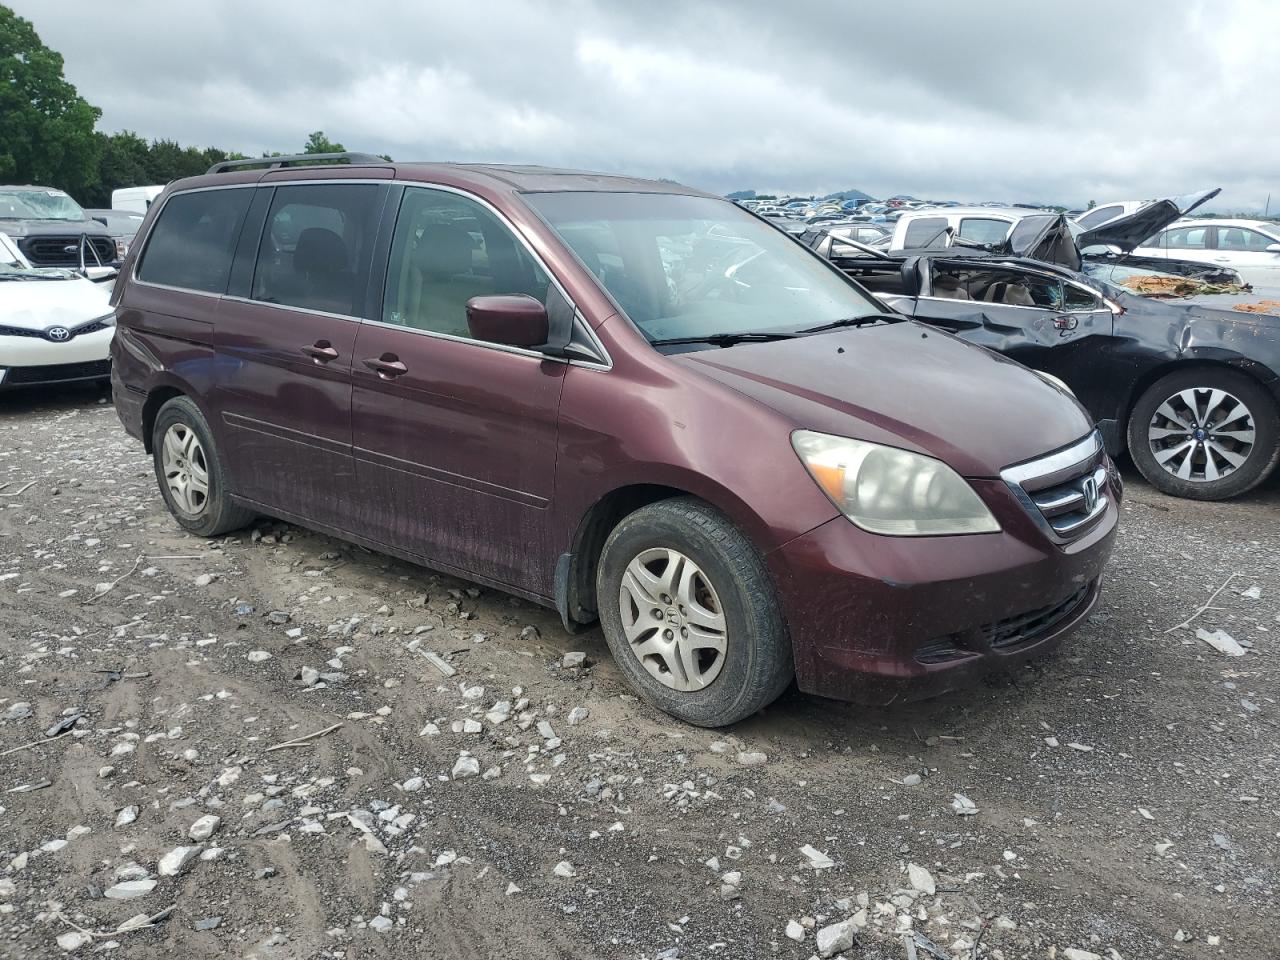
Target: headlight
x=891, y=491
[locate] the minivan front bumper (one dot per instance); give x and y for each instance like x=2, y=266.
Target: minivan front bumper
x=881, y=619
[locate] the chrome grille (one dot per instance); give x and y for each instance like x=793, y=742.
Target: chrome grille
x=1066, y=491
x=64, y=251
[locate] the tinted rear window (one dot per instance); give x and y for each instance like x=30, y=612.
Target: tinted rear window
x=925, y=232
x=192, y=243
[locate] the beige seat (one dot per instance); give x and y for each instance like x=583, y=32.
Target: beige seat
x=949, y=288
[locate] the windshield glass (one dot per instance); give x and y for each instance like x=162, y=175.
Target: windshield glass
x=683, y=266
x=38, y=205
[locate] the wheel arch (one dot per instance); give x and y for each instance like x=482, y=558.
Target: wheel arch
x=161, y=393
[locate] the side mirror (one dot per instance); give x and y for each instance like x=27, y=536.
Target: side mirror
x=515, y=321
x=1273, y=248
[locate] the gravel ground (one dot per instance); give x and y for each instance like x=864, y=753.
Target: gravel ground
x=1117, y=799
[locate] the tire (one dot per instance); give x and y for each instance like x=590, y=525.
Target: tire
x=724, y=575
x=1202, y=463
x=208, y=514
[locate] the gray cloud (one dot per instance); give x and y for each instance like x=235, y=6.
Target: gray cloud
x=1003, y=100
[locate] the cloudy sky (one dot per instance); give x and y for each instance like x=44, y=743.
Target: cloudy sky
x=999, y=99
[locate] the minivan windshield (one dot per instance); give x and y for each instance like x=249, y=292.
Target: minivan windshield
x=695, y=267
x=38, y=205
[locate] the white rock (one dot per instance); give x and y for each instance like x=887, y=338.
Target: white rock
x=176, y=860
x=1221, y=641
x=963, y=806
x=817, y=859
x=564, y=869
x=921, y=879
x=205, y=579
x=204, y=828
x=381, y=924
x=466, y=767
x=512, y=889
x=795, y=931
x=545, y=730
x=911, y=780
x=129, y=889
x=258, y=656
x=73, y=940
x=752, y=758
x=413, y=784
x=577, y=715
x=836, y=937
x=1071, y=953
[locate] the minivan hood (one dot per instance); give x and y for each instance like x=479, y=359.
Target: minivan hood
x=905, y=385
x=41, y=304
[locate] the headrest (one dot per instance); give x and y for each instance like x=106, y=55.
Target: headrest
x=443, y=250
x=319, y=251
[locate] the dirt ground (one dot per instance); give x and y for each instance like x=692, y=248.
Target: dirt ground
x=1125, y=788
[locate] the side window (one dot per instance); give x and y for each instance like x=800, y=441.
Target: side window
x=1186, y=238
x=1080, y=300
x=447, y=249
x=1239, y=238
x=314, y=253
x=1100, y=215
x=927, y=231
x=192, y=243
x=984, y=230
x=1008, y=287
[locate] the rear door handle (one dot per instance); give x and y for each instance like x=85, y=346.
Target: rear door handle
x=387, y=366
x=321, y=352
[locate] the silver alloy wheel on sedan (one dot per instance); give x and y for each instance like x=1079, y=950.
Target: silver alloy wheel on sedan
x=1201, y=434
x=186, y=472
x=673, y=620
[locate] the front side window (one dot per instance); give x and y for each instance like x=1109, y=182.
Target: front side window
x=314, y=253
x=684, y=266
x=1009, y=287
x=1079, y=300
x=447, y=249
x=193, y=241
x=1186, y=238
x=984, y=230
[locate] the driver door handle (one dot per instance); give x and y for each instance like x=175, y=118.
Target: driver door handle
x=321, y=352
x=387, y=366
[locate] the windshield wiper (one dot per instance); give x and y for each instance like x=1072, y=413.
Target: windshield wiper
x=864, y=321
x=724, y=339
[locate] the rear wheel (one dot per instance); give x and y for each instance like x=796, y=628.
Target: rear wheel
x=1206, y=433
x=690, y=614
x=192, y=478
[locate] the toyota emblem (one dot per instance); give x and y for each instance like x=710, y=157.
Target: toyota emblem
x=59, y=334
x=1090, y=494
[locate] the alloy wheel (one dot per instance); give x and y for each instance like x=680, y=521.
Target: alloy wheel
x=186, y=471
x=673, y=620
x=1201, y=434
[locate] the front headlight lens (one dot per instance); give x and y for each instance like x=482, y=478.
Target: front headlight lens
x=890, y=491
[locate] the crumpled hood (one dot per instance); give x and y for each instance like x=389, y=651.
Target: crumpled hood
x=41, y=304
x=905, y=385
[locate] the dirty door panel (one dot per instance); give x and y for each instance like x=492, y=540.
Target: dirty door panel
x=454, y=439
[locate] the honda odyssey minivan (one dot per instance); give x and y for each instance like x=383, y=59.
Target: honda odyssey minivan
x=628, y=400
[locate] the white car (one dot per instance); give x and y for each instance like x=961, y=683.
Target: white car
x=1250, y=246
x=55, y=325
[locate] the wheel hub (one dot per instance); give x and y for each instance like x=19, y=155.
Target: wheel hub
x=1201, y=434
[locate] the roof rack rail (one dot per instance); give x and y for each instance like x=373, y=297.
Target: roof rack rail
x=297, y=160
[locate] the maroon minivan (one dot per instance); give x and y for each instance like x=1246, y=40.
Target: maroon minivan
x=629, y=400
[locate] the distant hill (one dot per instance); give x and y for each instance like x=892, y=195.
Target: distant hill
x=849, y=195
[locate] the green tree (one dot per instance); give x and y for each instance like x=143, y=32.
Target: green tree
x=319, y=143
x=46, y=127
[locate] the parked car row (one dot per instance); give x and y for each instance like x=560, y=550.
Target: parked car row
x=630, y=401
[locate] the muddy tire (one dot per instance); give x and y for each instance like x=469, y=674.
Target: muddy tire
x=690, y=613
x=191, y=475
x=1205, y=434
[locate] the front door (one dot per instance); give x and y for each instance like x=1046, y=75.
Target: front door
x=285, y=342
x=455, y=439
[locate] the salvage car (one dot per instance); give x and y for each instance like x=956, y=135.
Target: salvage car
x=1250, y=247
x=121, y=224
x=1190, y=392
x=55, y=325
x=52, y=231
x=625, y=399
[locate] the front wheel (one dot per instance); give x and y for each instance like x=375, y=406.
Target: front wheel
x=690, y=614
x=1205, y=434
